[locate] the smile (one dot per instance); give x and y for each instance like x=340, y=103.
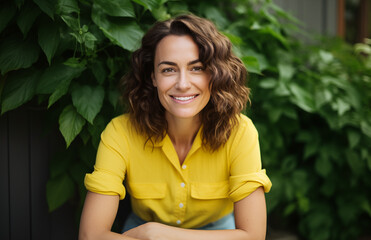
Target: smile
x=184, y=98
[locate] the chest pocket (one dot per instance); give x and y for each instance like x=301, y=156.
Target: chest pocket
x=215, y=190
x=147, y=190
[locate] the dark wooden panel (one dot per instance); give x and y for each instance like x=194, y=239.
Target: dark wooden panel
x=39, y=168
x=64, y=223
x=19, y=176
x=4, y=178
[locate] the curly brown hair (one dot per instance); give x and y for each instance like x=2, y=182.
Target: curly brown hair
x=229, y=94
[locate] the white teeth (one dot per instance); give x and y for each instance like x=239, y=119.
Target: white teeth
x=185, y=98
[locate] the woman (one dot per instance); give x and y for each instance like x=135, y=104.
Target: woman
x=190, y=160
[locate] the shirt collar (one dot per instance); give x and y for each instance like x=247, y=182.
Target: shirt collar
x=196, y=143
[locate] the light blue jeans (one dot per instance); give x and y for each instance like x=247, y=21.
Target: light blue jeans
x=226, y=222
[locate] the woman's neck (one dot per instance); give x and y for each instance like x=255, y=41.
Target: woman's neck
x=182, y=133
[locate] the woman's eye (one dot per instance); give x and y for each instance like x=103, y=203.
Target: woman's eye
x=198, y=68
x=167, y=70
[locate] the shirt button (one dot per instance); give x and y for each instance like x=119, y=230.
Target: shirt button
x=182, y=184
x=178, y=222
x=184, y=166
x=181, y=205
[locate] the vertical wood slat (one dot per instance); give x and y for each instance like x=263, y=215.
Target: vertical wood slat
x=318, y=16
x=331, y=18
x=39, y=167
x=4, y=178
x=341, y=18
x=19, y=176
x=362, y=21
x=312, y=15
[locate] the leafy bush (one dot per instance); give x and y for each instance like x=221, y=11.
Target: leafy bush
x=311, y=104
x=313, y=115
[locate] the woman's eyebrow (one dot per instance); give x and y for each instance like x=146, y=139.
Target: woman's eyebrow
x=167, y=63
x=193, y=62
x=174, y=64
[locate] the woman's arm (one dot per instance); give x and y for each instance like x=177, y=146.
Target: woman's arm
x=97, y=217
x=250, y=216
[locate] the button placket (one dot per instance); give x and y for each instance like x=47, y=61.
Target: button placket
x=183, y=191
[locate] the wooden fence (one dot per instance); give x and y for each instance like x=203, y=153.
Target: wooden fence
x=25, y=151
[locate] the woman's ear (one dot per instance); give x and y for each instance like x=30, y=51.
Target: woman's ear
x=153, y=79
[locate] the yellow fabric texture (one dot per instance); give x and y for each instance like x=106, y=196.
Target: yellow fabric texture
x=200, y=191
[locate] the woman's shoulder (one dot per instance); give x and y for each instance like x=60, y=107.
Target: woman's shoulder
x=119, y=125
x=244, y=127
x=244, y=122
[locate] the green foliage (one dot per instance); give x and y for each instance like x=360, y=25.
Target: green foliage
x=311, y=104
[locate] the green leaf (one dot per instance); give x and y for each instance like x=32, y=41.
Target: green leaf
x=48, y=37
x=310, y=149
x=96, y=130
x=61, y=90
x=302, y=98
x=54, y=75
x=99, y=71
x=70, y=123
x=149, y=4
x=71, y=22
x=341, y=106
x=355, y=162
x=268, y=83
x=177, y=7
x=281, y=89
x=252, y=64
x=122, y=32
x=88, y=100
x=273, y=32
x=353, y=137
x=67, y=6
x=58, y=191
x=19, y=89
x=323, y=165
x=75, y=62
x=160, y=13
x=214, y=14
x=289, y=209
x=366, y=128
x=7, y=12
x=113, y=98
x=369, y=162
x=275, y=114
x=89, y=40
x=47, y=6
x=16, y=53
x=325, y=56
x=286, y=71
x=322, y=97
x=116, y=8
x=27, y=17
x=262, y=60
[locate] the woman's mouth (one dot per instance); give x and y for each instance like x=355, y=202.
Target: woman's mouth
x=184, y=99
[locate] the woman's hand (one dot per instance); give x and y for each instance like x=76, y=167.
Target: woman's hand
x=147, y=231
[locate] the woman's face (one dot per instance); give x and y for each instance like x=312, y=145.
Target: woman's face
x=181, y=79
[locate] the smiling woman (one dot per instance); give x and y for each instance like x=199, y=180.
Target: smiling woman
x=188, y=157
x=181, y=81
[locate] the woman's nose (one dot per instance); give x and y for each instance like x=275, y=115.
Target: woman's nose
x=183, y=81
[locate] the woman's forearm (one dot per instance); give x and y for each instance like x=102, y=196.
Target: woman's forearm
x=105, y=236
x=174, y=233
x=156, y=231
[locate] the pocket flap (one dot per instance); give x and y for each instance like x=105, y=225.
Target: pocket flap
x=147, y=190
x=215, y=190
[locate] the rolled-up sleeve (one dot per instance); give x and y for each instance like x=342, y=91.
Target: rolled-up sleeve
x=110, y=166
x=246, y=173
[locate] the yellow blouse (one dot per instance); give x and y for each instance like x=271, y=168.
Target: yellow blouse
x=200, y=191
